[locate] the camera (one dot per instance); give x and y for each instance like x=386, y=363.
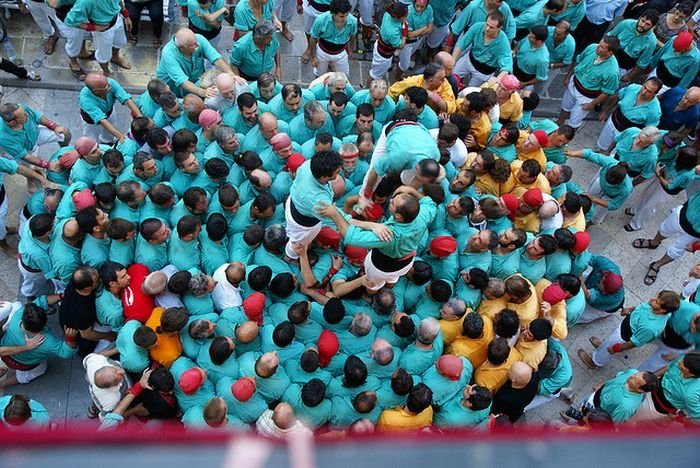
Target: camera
x=576, y=414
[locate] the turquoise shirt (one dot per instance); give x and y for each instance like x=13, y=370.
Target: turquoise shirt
x=7, y=166
x=573, y=13
x=312, y=417
x=34, y=253
x=444, y=268
x=147, y=105
x=683, y=393
x=193, y=419
x=245, y=19
x=39, y=418
x=253, y=88
x=324, y=28
x=153, y=256
x=270, y=388
x=65, y=258
x=300, y=133
x=406, y=146
x=384, y=112
x=508, y=152
x=691, y=210
x=494, y=54
x=146, y=184
x=213, y=254
x=640, y=47
x=88, y=11
x=184, y=255
x=343, y=413
x=250, y=59
x=639, y=160
x=198, y=305
x=646, y=113
x=198, y=398
x=560, y=377
x=99, y=108
x=557, y=263
x=292, y=351
x=18, y=143
x=95, y=252
x=132, y=357
x=617, y=194
x=416, y=361
x=562, y=52
x=533, y=61
x=194, y=8
x=574, y=308
x=502, y=266
x=646, y=326
x=307, y=193
x=454, y=414
x=181, y=181
x=337, y=389
x=247, y=411
x=617, y=401
x=277, y=107
x=215, y=372
x=347, y=129
x=83, y=171
x=299, y=376
x=391, y=30
x=174, y=68
x=443, y=388
x=443, y=12
x=601, y=76
x=109, y=310
x=683, y=66
x=427, y=117
x=475, y=12
x=532, y=269
x=601, y=265
x=679, y=179
x=532, y=16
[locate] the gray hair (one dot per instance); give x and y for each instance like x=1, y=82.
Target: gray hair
x=348, y=148
x=458, y=306
x=336, y=76
x=428, y=330
x=223, y=134
x=140, y=158
x=198, y=329
x=496, y=287
x=263, y=28
x=275, y=237
x=379, y=84
x=311, y=108
x=7, y=111
x=361, y=324
x=198, y=284
x=650, y=132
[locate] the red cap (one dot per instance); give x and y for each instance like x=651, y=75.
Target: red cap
x=328, y=236
x=683, y=41
x=533, y=198
x=83, y=199
x=294, y=161
x=355, y=254
x=374, y=212
x=442, y=246
x=612, y=282
x=253, y=307
x=511, y=202
x=450, y=366
x=208, y=117
x=328, y=346
x=243, y=389
x=581, y=242
x=191, y=380
x=84, y=145
x=541, y=137
x=553, y=294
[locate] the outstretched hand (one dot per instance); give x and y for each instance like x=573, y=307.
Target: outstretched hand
x=326, y=210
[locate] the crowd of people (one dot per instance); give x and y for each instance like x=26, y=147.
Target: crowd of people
x=254, y=255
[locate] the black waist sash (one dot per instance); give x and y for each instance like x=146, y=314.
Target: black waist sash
x=388, y=264
x=481, y=67
x=302, y=219
x=666, y=76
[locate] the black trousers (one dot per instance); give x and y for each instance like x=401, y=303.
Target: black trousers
x=588, y=33
x=10, y=67
x=155, y=12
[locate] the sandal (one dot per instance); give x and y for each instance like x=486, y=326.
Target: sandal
x=90, y=55
x=644, y=244
x=628, y=227
x=50, y=46
x=629, y=212
x=132, y=40
x=652, y=273
x=33, y=76
x=79, y=74
x=122, y=63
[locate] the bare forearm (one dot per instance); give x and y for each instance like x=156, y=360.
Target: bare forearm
x=114, y=131
x=135, y=111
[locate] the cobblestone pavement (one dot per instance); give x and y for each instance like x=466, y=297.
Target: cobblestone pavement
x=63, y=389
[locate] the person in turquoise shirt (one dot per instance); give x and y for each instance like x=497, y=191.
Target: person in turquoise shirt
x=251, y=404
x=377, y=95
x=611, y=187
x=133, y=357
x=534, y=256
x=391, y=37
x=560, y=44
x=306, y=368
x=96, y=101
x=637, y=43
x=313, y=121
x=36, y=267
x=477, y=12
x=501, y=141
x=270, y=378
x=192, y=395
x=183, y=249
x=88, y=167
x=363, y=121
x=197, y=333
x=353, y=379
x=309, y=403
x=622, y=395
x=109, y=310
x=537, y=14
x=555, y=371
x=348, y=409
x=416, y=98
x=217, y=358
x=505, y=260
x=248, y=12
x=531, y=62
x=64, y=249
x=597, y=288
x=559, y=261
x=194, y=418
x=636, y=148
x=26, y=412
x=213, y=244
x=676, y=63
x=205, y=18
x=280, y=339
x=265, y=88
x=257, y=53
x=488, y=46
x=574, y=308
x=148, y=100
x=680, y=384
x=289, y=102
x=338, y=107
x=469, y=408
x=428, y=347
x=331, y=34
x=181, y=62
x=573, y=13
x=152, y=244
x=188, y=168
x=447, y=377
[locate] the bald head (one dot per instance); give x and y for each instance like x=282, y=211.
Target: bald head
x=108, y=376
x=235, y=272
x=260, y=178
x=155, y=283
x=95, y=80
x=283, y=416
x=548, y=209
x=382, y=352
x=224, y=80
x=267, y=118
x=520, y=374
x=71, y=230
x=247, y=331
x=693, y=94
x=184, y=37
x=445, y=59
x=267, y=364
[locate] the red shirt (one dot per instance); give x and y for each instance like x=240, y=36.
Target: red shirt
x=137, y=304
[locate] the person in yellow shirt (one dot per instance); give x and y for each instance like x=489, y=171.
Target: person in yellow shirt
x=552, y=297
x=530, y=146
x=510, y=104
x=526, y=216
x=493, y=300
x=441, y=98
x=415, y=415
x=572, y=211
x=452, y=315
x=493, y=373
x=473, y=341
x=522, y=298
x=475, y=107
x=526, y=175
x=532, y=342
x=167, y=324
x=490, y=171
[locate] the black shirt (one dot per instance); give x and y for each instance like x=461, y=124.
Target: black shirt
x=512, y=401
x=77, y=311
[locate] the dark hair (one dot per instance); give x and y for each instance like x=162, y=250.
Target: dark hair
x=161, y=380
x=149, y=227
x=498, y=16
x=365, y=110
x=334, y=311
x=401, y=382
x=325, y=163
x=217, y=227
x=540, y=31
x=364, y=402
x=313, y=392
x=216, y=168
x=653, y=15
x=108, y=272
x=472, y=326
x=179, y=283
x=480, y=399
x=245, y=101
x=419, y=398
x=405, y=328
x=144, y=337
x=161, y=193
x=572, y=203
x=309, y=360
x=531, y=167
x=87, y=219
x=173, y=319
x=112, y=158
x=220, y=350
x=105, y=193
x=692, y=362
x=259, y=278
x=531, y=102
x=612, y=42
x=187, y=225
x=616, y=174
x=417, y=96
x=264, y=201
x=422, y=272
x=290, y=88
x=548, y=244
x=478, y=278
x=570, y=283
x=340, y=6
x=541, y=329
x=33, y=318
x=478, y=102
x=651, y=382
x=156, y=137
x=119, y=228
x=17, y=411
x=40, y=224
x=228, y=195
x=354, y=372
x=686, y=159
x=192, y=196
x=183, y=139
x=339, y=99
x=283, y=334
x=253, y=234
x=498, y=351
x=431, y=70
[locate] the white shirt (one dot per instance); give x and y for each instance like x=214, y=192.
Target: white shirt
x=225, y=294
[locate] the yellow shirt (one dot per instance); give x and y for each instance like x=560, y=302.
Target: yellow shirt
x=493, y=377
x=512, y=109
x=532, y=351
x=558, y=313
x=451, y=328
x=490, y=307
x=167, y=347
x=484, y=183
x=528, y=223
x=398, y=420
x=445, y=91
x=480, y=129
x=578, y=222
x=528, y=310
x=537, y=155
x=514, y=186
x=474, y=349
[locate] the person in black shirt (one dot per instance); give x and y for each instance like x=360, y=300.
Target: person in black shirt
x=158, y=402
x=78, y=310
x=520, y=389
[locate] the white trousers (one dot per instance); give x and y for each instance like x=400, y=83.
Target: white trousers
x=296, y=233
x=43, y=14
x=339, y=60
x=438, y=36
x=34, y=283
x=285, y=10
x=540, y=400
x=97, y=133
x=600, y=211
x=601, y=356
x=573, y=102
x=656, y=360
x=114, y=37
x=652, y=196
x=591, y=314
x=310, y=14
x=407, y=52
x=74, y=38
x=380, y=64
x=607, y=135
x=366, y=9
x=464, y=68
x=670, y=227
x=24, y=377
x=3, y=216
x=380, y=278
x=647, y=414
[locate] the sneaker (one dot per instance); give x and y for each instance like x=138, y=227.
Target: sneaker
x=33, y=76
